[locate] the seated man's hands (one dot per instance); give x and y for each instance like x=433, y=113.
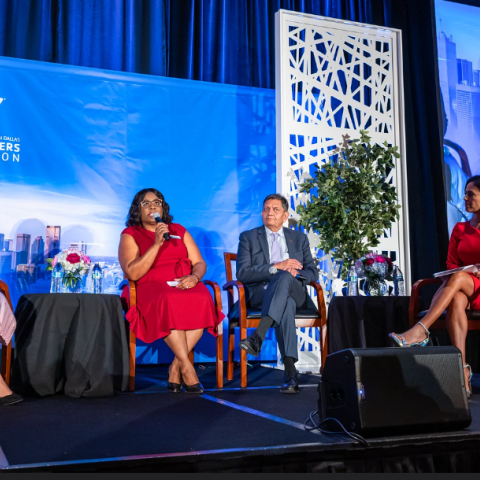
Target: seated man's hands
x=290, y=265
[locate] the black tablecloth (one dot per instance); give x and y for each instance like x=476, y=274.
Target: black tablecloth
x=361, y=322
x=68, y=342
x=365, y=322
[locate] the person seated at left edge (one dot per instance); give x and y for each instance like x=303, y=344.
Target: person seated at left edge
x=275, y=265
x=7, y=327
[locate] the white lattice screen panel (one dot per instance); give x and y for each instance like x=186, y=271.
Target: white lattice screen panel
x=335, y=78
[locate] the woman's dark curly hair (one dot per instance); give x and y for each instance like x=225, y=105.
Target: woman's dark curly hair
x=134, y=216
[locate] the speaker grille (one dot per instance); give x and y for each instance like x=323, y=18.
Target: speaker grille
x=410, y=389
x=402, y=388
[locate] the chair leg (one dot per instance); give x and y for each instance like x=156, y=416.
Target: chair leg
x=243, y=360
x=323, y=347
x=132, y=352
x=231, y=353
x=191, y=357
x=220, y=359
x=6, y=362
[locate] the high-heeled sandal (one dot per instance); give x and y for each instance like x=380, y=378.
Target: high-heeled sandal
x=399, y=341
x=468, y=386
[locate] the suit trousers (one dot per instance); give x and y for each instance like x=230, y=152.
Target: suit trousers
x=280, y=300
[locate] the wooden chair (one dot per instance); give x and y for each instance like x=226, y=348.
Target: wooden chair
x=250, y=318
x=217, y=298
x=414, y=313
x=6, y=350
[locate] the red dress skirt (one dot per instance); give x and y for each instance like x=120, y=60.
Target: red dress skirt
x=161, y=308
x=464, y=249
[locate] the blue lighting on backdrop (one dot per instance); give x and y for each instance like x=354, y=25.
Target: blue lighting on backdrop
x=76, y=144
x=458, y=45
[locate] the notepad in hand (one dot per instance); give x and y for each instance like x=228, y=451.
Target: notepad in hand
x=467, y=269
x=172, y=284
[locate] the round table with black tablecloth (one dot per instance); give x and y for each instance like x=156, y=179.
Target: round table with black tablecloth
x=365, y=322
x=71, y=343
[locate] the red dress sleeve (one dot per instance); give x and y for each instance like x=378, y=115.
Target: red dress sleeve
x=128, y=231
x=177, y=229
x=453, y=261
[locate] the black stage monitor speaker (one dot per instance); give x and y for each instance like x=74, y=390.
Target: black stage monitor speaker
x=380, y=391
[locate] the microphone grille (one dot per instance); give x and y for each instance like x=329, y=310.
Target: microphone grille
x=156, y=215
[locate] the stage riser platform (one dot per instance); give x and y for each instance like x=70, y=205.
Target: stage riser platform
x=231, y=430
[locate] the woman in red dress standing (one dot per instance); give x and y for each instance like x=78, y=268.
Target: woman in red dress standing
x=460, y=290
x=178, y=314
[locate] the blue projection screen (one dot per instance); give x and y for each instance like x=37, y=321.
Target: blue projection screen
x=76, y=144
x=458, y=45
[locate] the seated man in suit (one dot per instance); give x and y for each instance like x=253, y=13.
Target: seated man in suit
x=275, y=265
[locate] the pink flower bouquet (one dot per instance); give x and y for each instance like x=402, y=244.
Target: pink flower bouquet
x=374, y=266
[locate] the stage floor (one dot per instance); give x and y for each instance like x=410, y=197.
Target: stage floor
x=234, y=429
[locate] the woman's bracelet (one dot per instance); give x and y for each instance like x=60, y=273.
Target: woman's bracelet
x=198, y=278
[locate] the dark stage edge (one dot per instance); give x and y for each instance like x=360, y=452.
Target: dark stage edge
x=231, y=430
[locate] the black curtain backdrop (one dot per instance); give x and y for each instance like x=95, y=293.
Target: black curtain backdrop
x=232, y=41
x=424, y=136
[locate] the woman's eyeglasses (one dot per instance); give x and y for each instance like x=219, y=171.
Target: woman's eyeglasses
x=155, y=203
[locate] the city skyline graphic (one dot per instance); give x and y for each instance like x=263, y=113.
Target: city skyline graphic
x=458, y=47
x=23, y=262
x=89, y=139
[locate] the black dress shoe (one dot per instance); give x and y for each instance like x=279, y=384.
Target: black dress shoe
x=290, y=382
x=195, y=388
x=174, y=387
x=252, y=344
x=10, y=399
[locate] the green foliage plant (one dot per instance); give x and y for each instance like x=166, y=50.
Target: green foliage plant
x=351, y=202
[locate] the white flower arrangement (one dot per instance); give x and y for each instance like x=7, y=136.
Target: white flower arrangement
x=75, y=265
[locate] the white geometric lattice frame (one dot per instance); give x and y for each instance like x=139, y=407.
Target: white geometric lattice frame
x=334, y=78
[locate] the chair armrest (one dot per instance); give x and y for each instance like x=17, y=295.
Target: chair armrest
x=414, y=296
x=320, y=302
x=233, y=283
x=217, y=300
x=242, y=303
x=217, y=293
x=4, y=289
x=229, y=286
x=132, y=291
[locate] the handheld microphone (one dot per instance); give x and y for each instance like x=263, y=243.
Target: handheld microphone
x=158, y=219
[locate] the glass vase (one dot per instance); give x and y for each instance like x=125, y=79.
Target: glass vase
x=375, y=287
x=74, y=283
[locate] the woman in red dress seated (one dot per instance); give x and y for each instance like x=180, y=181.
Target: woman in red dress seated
x=178, y=314
x=460, y=290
